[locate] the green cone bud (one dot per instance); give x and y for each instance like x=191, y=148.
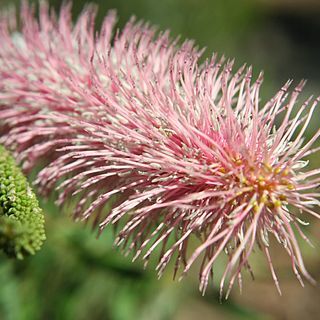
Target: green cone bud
x=21, y=219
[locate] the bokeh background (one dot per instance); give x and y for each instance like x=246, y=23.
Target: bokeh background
x=76, y=276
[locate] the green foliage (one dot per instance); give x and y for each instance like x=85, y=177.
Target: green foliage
x=80, y=277
x=21, y=219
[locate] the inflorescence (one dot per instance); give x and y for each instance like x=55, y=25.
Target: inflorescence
x=145, y=137
x=21, y=219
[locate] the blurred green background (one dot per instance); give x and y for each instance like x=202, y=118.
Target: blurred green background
x=76, y=276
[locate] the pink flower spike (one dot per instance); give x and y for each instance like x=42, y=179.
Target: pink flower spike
x=138, y=133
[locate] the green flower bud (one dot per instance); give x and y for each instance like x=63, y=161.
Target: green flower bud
x=21, y=219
